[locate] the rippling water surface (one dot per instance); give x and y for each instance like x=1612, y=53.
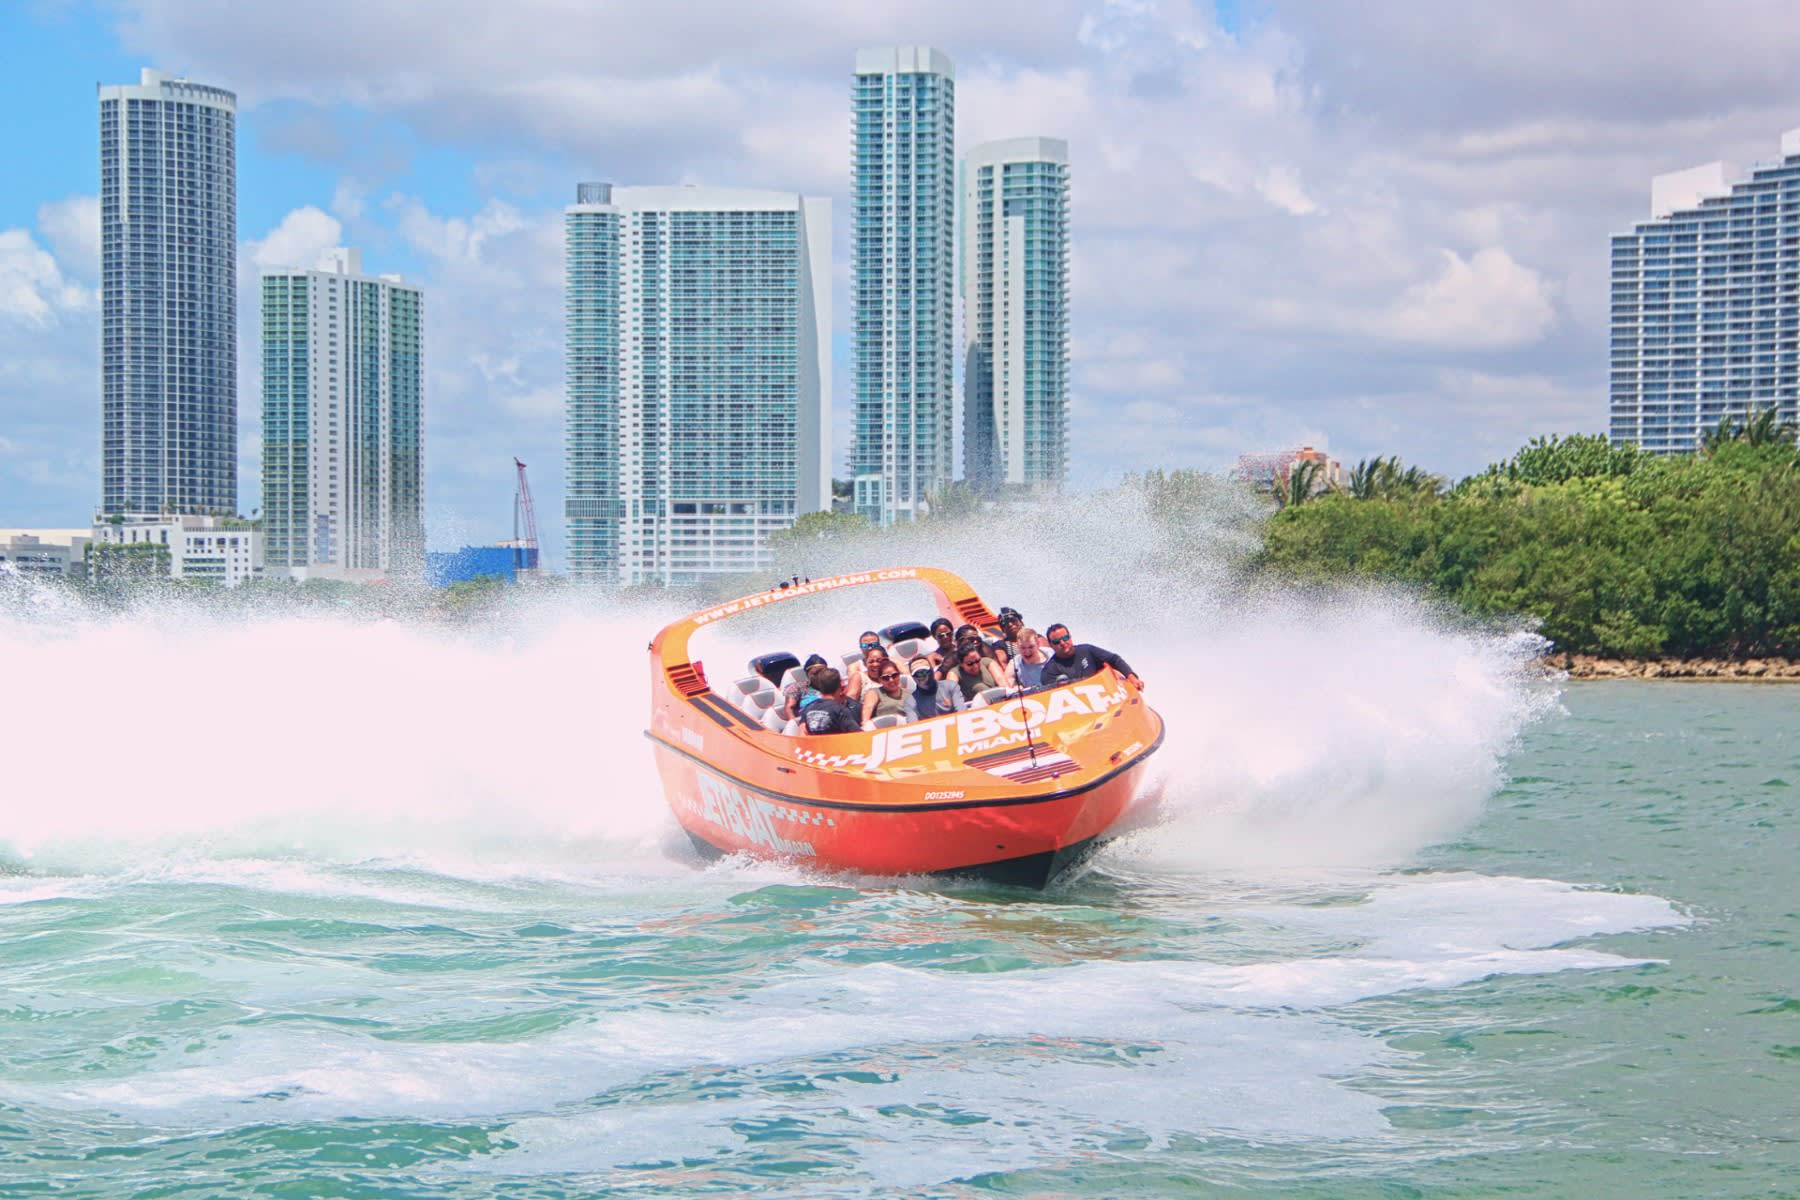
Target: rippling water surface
x=1430, y=928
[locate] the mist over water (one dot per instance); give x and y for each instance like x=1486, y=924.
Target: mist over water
x=1351, y=729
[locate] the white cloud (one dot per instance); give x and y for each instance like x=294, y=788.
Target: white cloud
x=72, y=227
x=1486, y=301
x=33, y=289
x=297, y=242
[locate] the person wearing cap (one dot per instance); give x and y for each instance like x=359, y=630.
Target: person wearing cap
x=930, y=696
x=1010, y=623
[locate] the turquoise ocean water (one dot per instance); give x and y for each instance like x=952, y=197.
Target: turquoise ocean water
x=1438, y=931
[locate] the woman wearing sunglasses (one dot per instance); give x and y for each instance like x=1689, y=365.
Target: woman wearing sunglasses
x=888, y=697
x=864, y=675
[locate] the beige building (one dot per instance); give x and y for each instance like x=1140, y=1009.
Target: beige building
x=44, y=552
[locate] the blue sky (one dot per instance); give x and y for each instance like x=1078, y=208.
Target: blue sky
x=1375, y=227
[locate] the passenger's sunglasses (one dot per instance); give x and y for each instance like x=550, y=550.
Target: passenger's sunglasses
x=1064, y=640
x=869, y=645
x=887, y=675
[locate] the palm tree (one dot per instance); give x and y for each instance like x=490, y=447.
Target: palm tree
x=1416, y=482
x=1764, y=427
x=1370, y=478
x=1300, y=485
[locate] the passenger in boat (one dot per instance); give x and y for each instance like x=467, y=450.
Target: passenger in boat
x=831, y=712
x=864, y=674
x=1028, y=667
x=888, y=697
x=995, y=650
x=798, y=694
x=972, y=674
x=944, y=632
x=866, y=641
x=930, y=696
x=1011, y=625
x=1071, y=663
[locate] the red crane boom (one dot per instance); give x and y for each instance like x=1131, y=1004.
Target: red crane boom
x=525, y=539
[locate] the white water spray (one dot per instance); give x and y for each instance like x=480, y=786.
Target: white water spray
x=1347, y=730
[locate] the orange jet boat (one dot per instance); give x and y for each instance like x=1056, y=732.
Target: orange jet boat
x=1016, y=789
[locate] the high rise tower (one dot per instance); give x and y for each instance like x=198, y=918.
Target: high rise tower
x=1706, y=304
x=168, y=297
x=904, y=196
x=343, y=439
x=1015, y=288
x=699, y=368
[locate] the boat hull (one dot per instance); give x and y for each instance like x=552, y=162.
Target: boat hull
x=1025, y=841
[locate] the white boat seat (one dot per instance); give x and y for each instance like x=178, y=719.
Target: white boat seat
x=987, y=696
x=792, y=675
x=773, y=721
x=901, y=651
x=757, y=703
x=851, y=659
x=743, y=687
x=885, y=722
x=792, y=728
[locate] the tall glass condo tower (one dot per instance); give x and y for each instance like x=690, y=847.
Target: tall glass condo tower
x=903, y=192
x=168, y=297
x=1706, y=304
x=343, y=438
x=1015, y=288
x=699, y=364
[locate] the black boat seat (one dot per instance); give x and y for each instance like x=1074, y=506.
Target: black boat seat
x=773, y=665
x=902, y=631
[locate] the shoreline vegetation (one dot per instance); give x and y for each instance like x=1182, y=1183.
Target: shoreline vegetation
x=1628, y=563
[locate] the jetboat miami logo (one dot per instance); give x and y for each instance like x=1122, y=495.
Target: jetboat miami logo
x=983, y=731
x=755, y=819
x=811, y=587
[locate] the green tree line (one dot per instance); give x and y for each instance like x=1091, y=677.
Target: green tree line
x=1614, y=551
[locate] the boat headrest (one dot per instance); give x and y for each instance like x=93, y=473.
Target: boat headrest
x=773, y=665
x=901, y=631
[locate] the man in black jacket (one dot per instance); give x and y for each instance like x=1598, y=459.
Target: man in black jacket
x=1071, y=663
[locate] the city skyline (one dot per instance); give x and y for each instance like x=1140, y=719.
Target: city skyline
x=1364, y=254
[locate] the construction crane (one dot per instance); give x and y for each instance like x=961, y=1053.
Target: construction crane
x=524, y=539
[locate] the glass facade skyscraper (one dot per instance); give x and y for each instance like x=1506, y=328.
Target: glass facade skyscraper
x=699, y=363
x=903, y=192
x=1015, y=289
x=343, y=436
x=1706, y=305
x=168, y=297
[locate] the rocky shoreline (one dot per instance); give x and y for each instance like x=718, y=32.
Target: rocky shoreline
x=1750, y=670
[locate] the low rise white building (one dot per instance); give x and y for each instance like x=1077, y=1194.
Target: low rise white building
x=44, y=552
x=187, y=547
